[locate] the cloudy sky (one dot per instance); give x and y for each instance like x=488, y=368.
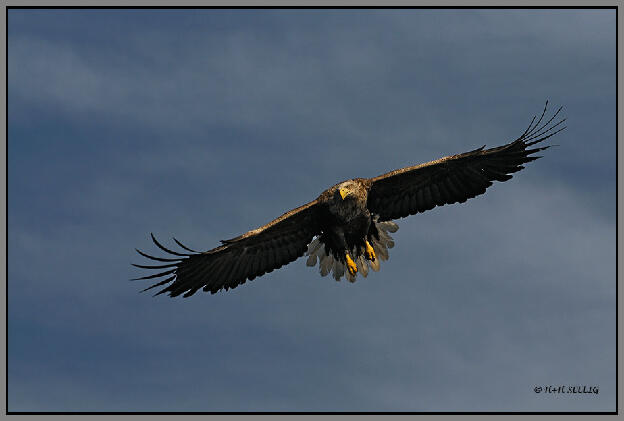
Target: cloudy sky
x=203, y=124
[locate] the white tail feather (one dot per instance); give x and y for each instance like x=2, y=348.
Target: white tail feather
x=317, y=253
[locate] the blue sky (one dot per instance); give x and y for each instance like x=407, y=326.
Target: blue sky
x=203, y=124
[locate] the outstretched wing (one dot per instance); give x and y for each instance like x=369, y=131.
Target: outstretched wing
x=245, y=257
x=455, y=178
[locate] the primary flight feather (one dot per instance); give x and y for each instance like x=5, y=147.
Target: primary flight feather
x=346, y=229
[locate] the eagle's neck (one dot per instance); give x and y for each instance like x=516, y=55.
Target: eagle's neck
x=351, y=208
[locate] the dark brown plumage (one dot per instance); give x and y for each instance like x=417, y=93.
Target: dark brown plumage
x=351, y=220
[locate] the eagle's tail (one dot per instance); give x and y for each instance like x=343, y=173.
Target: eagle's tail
x=381, y=241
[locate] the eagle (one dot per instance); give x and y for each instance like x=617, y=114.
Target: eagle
x=346, y=229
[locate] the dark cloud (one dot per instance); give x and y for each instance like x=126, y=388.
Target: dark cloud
x=205, y=124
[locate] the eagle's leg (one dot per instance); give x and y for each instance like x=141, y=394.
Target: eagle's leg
x=370, y=253
x=351, y=266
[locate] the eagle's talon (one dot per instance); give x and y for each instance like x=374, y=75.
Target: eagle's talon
x=370, y=253
x=351, y=266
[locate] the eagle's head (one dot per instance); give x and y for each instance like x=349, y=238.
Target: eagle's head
x=349, y=189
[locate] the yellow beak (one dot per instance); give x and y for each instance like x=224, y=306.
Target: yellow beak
x=343, y=193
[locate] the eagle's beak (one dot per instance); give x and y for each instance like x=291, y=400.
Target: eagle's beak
x=343, y=193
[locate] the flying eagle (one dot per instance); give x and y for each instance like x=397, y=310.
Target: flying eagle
x=346, y=229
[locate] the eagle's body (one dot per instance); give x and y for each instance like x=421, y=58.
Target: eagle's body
x=347, y=227
x=346, y=221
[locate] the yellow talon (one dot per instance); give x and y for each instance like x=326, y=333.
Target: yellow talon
x=370, y=253
x=351, y=265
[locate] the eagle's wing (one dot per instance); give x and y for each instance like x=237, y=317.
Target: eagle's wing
x=245, y=257
x=455, y=178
